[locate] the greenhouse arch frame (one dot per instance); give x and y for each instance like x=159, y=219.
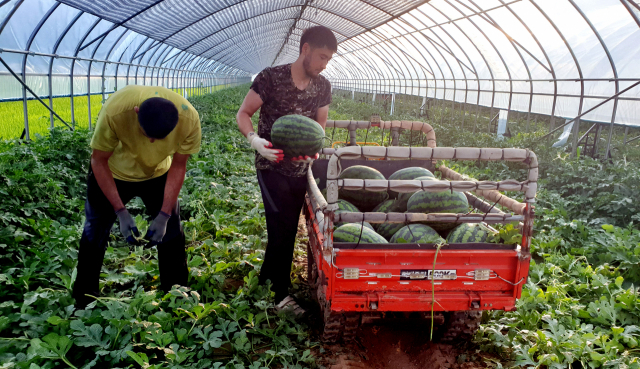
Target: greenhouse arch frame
x=572, y=61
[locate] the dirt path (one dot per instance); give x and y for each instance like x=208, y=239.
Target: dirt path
x=387, y=345
x=402, y=347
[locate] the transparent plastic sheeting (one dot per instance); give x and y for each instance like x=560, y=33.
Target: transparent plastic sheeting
x=551, y=57
x=61, y=41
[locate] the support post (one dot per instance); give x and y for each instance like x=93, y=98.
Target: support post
x=50, y=98
x=24, y=108
x=89, y=95
x=73, y=116
x=395, y=136
x=393, y=103
x=576, y=133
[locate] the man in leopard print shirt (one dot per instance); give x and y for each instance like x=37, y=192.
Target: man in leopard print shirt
x=296, y=88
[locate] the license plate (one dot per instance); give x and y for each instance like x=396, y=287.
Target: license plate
x=440, y=274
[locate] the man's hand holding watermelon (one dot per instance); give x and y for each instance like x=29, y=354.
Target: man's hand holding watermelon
x=306, y=159
x=264, y=148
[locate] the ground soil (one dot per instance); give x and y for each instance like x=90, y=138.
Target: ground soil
x=387, y=344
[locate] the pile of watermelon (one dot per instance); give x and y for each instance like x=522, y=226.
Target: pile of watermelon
x=417, y=202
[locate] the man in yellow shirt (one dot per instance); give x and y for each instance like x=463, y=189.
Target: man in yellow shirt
x=142, y=141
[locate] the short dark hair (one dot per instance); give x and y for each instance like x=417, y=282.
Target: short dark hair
x=157, y=117
x=319, y=36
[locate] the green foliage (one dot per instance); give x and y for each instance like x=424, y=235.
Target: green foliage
x=209, y=324
x=580, y=305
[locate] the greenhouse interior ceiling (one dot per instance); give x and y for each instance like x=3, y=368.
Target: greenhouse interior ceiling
x=571, y=60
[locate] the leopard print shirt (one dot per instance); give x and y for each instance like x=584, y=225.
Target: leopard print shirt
x=280, y=97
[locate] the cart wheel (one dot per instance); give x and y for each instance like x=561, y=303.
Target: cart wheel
x=335, y=325
x=461, y=326
x=338, y=325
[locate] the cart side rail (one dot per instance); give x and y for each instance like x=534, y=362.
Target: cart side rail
x=528, y=157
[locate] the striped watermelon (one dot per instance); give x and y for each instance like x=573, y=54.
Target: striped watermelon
x=366, y=224
x=297, y=135
x=409, y=173
x=469, y=233
x=347, y=206
x=387, y=206
x=353, y=232
x=416, y=233
x=403, y=198
x=362, y=199
x=438, y=202
x=387, y=230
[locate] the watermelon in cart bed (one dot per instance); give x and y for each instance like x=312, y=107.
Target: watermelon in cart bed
x=438, y=202
x=354, y=232
x=387, y=230
x=416, y=233
x=297, y=135
x=347, y=206
x=409, y=173
x=362, y=199
x=403, y=198
x=469, y=233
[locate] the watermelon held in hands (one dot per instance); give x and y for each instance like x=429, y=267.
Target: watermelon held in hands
x=416, y=233
x=362, y=199
x=297, y=135
x=469, y=233
x=409, y=173
x=354, y=232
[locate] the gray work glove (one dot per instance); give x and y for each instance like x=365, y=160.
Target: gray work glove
x=128, y=226
x=157, y=229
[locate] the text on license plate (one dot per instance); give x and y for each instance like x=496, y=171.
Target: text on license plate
x=439, y=274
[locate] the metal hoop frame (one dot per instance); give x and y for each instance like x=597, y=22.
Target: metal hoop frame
x=455, y=53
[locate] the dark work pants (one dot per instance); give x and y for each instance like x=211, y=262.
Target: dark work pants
x=97, y=227
x=283, y=197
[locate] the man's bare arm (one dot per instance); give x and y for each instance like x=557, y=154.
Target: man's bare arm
x=322, y=115
x=104, y=177
x=175, y=179
x=252, y=102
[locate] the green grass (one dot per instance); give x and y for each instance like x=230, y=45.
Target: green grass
x=12, y=122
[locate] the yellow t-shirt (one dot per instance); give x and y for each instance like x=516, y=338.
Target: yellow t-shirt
x=134, y=157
